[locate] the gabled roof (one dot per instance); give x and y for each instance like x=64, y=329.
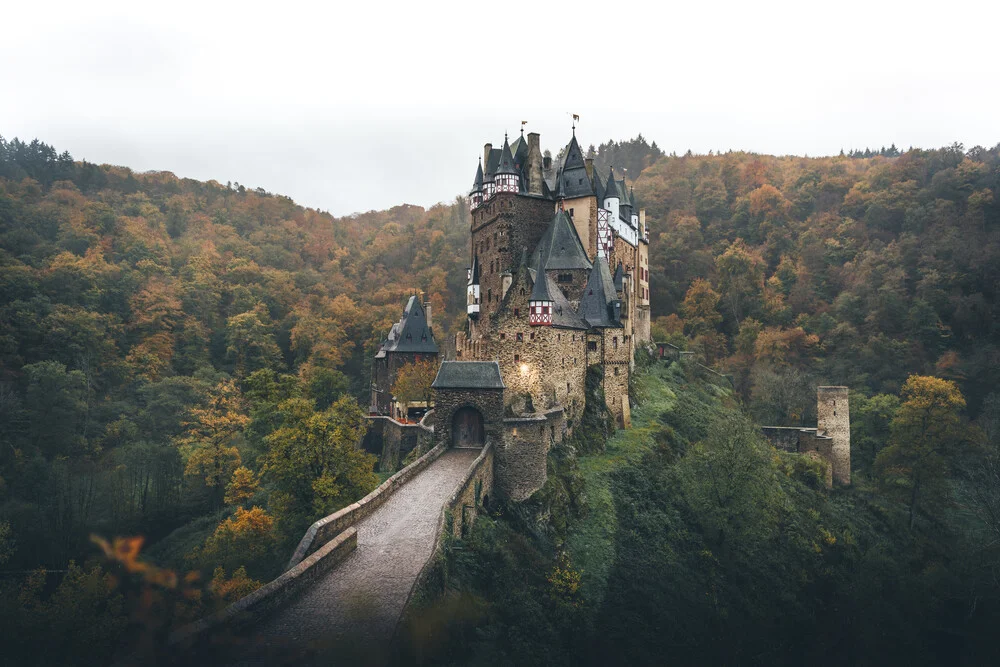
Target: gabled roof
x=596, y=306
x=540, y=290
x=506, y=165
x=412, y=333
x=560, y=246
x=477, y=185
x=468, y=375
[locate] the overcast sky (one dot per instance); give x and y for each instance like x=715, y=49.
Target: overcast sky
x=356, y=106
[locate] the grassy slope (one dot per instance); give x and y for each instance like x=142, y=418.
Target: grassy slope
x=667, y=399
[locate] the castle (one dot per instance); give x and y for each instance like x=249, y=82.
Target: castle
x=557, y=283
x=558, y=278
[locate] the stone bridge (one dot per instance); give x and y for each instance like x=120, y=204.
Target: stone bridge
x=350, y=579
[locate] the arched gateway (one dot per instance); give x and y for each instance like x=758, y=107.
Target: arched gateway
x=468, y=403
x=467, y=428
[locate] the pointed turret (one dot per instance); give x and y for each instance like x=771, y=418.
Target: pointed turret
x=540, y=302
x=611, y=189
x=506, y=178
x=619, y=278
x=574, y=180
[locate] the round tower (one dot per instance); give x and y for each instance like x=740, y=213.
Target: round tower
x=833, y=419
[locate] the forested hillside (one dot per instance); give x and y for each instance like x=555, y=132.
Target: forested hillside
x=791, y=271
x=189, y=362
x=689, y=540
x=174, y=355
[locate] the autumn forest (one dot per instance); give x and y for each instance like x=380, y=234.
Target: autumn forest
x=189, y=361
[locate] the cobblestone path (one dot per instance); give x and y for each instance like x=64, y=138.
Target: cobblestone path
x=362, y=599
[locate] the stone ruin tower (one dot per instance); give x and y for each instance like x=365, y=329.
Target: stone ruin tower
x=833, y=419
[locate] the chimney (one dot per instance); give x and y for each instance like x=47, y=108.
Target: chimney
x=427, y=314
x=486, y=155
x=642, y=222
x=589, y=163
x=534, y=164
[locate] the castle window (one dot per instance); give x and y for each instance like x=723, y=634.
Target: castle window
x=564, y=362
x=559, y=337
x=532, y=336
x=564, y=278
x=567, y=387
x=592, y=345
x=616, y=370
x=522, y=291
x=503, y=336
x=517, y=313
x=517, y=358
x=571, y=210
x=520, y=337
x=614, y=342
x=574, y=361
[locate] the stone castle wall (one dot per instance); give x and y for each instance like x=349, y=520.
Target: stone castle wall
x=500, y=230
x=489, y=402
x=547, y=362
x=614, y=352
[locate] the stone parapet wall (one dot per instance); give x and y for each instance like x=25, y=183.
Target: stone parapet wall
x=464, y=504
x=271, y=596
x=328, y=527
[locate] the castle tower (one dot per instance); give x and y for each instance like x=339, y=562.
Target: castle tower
x=476, y=195
x=540, y=303
x=833, y=419
x=506, y=178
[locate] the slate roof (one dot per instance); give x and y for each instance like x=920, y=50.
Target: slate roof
x=573, y=180
x=611, y=189
x=468, y=375
x=492, y=162
x=560, y=246
x=619, y=278
x=598, y=189
x=597, y=304
x=411, y=333
x=540, y=290
x=477, y=185
x=519, y=149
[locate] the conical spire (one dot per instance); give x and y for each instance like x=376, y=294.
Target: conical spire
x=506, y=165
x=611, y=189
x=477, y=185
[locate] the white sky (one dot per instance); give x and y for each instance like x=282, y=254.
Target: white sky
x=352, y=106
